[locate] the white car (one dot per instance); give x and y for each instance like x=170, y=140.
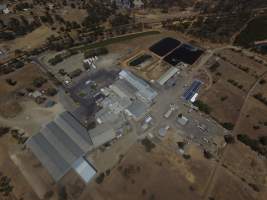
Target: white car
x=88, y=82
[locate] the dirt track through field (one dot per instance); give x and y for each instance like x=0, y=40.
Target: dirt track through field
x=214, y=174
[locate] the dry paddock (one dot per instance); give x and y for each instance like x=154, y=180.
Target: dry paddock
x=160, y=174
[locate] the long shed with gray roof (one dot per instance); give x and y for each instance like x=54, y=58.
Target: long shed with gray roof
x=60, y=144
x=144, y=90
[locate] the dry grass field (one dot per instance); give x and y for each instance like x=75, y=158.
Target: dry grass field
x=227, y=110
x=31, y=40
x=241, y=177
x=233, y=74
x=73, y=14
x=253, y=120
x=160, y=174
x=8, y=168
x=10, y=106
x=23, y=76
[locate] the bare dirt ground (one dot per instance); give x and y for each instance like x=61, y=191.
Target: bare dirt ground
x=152, y=70
x=31, y=40
x=21, y=188
x=36, y=176
x=160, y=174
x=224, y=111
x=239, y=174
x=10, y=106
x=73, y=14
x=253, y=119
x=223, y=96
x=240, y=58
x=32, y=117
x=23, y=112
x=23, y=76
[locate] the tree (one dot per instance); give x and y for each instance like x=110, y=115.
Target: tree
x=39, y=81
x=62, y=193
x=207, y=154
x=229, y=139
x=100, y=178
x=4, y=130
x=181, y=145
x=51, y=91
x=186, y=156
x=228, y=125
x=263, y=140
x=11, y=81
x=202, y=106
x=252, y=143
x=148, y=144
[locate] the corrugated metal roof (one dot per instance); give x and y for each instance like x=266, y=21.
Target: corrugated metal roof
x=102, y=134
x=60, y=143
x=76, y=126
x=143, y=88
x=3, y=7
x=69, y=148
x=84, y=169
x=137, y=109
x=125, y=87
x=48, y=156
x=85, y=145
x=166, y=76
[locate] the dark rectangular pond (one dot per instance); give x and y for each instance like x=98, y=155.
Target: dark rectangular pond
x=185, y=53
x=164, y=46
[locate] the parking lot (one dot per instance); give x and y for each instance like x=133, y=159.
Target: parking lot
x=199, y=129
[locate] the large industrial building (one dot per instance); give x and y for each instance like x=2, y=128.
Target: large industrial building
x=62, y=144
x=128, y=95
x=143, y=89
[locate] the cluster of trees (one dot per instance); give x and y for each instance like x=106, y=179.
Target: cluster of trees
x=11, y=81
x=228, y=6
x=55, y=60
x=20, y=137
x=60, y=43
x=202, y=106
x=235, y=83
x=5, y=185
x=11, y=66
x=148, y=144
x=100, y=178
x=229, y=139
x=17, y=26
x=228, y=125
x=39, y=81
x=95, y=52
x=214, y=67
x=219, y=29
x=261, y=98
x=4, y=130
x=259, y=145
x=23, y=5
x=256, y=30
x=98, y=12
x=120, y=19
x=241, y=67
x=60, y=57
x=165, y=4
